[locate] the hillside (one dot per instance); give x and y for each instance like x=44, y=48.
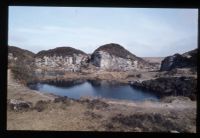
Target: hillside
x=21, y=62
x=60, y=51
x=117, y=50
x=115, y=57
x=21, y=54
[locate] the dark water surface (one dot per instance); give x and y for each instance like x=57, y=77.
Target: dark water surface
x=77, y=89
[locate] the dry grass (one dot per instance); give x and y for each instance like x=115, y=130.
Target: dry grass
x=97, y=115
x=77, y=116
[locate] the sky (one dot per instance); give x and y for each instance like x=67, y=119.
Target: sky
x=145, y=32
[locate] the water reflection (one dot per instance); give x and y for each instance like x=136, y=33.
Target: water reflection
x=79, y=88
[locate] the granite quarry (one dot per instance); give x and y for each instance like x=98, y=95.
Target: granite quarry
x=172, y=77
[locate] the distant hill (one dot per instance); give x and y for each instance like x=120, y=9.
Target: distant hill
x=153, y=59
x=117, y=50
x=21, y=54
x=60, y=51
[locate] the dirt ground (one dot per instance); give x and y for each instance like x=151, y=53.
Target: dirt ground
x=172, y=114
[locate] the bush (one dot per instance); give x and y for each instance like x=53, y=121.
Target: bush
x=139, y=75
x=41, y=105
x=23, y=72
x=131, y=75
x=62, y=99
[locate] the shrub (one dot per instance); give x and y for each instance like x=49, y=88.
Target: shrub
x=130, y=75
x=139, y=75
x=23, y=72
x=41, y=105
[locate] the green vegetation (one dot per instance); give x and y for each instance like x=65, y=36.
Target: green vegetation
x=60, y=51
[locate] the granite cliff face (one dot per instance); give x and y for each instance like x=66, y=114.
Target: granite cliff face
x=110, y=57
x=62, y=59
x=114, y=57
x=58, y=61
x=186, y=60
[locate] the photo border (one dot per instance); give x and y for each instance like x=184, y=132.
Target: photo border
x=77, y=3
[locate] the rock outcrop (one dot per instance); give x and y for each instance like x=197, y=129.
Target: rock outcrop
x=18, y=105
x=186, y=60
x=116, y=58
x=62, y=59
x=166, y=86
x=58, y=61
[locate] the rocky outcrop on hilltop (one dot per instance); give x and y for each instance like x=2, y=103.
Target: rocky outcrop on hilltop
x=58, y=61
x=186, y=60
x=61, y=59
x=116, y=58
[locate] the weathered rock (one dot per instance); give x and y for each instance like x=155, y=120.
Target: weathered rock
x=19, y=105
x=116, y=58
x=185, y=60
x=65, y=59
x=166, y=86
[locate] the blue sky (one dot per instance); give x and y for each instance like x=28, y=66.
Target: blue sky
x=144, y=32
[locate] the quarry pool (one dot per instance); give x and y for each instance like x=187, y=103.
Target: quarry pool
x=79, y=88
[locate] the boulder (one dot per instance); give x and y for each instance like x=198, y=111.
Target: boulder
x=186, y=60
x=18, y=105
x=173, y=131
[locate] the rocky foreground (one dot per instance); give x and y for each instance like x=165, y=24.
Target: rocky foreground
x=32, y=110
